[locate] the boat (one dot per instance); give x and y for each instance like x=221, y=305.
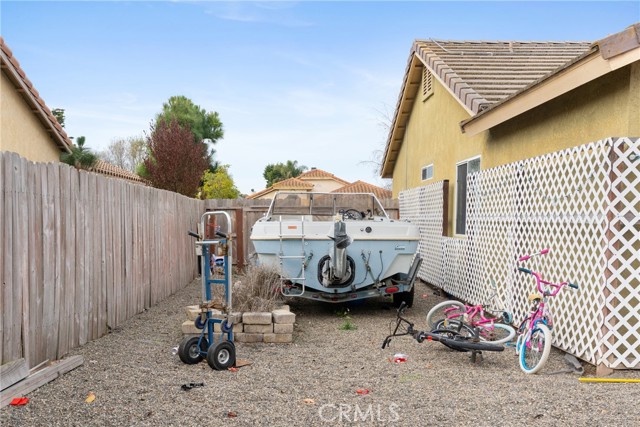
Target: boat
x=337, y=247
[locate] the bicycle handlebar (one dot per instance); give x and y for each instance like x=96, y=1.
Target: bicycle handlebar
x=193, y=234
x=539, y=282
x=528, y=257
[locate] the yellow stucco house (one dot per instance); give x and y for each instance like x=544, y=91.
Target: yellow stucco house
x=473, y=105
x=502, y=149
x=27, y=126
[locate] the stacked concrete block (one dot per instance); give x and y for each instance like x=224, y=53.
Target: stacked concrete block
x=250, y=327
x=283, y=321
x=255, y=325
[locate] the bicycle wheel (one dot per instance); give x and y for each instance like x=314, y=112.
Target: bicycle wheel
x=449, y=340
x=461, y=343
x=534, y=352
x=522, y=330
x=454, y=325
x=437, y=313
x=499, y=333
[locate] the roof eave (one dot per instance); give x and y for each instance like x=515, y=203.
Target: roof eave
x=61, y=140
x=408, y=94
x=401, y=115
x=582, y=70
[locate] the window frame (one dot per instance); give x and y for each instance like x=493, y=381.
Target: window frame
x=466, y=162
x=422, y=172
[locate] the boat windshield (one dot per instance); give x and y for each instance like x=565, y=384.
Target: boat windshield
x=324, y=206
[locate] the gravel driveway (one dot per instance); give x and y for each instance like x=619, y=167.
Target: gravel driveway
x=315, y=381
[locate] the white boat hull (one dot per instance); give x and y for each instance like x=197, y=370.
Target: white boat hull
x=379, y=255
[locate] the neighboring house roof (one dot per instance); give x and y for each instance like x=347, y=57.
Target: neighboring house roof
x=105, y=168
x=287, y=184
x=483, y=76
x=300, y=182
x=365, y=187
x=16, y=74
x=319, y=174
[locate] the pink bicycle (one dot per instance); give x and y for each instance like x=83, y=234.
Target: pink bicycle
x=534, y=334
x=469, y=319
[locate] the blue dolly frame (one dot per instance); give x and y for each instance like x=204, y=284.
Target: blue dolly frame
x=220, y=353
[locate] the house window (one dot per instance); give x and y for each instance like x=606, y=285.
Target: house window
x=462, y=170
x=427, y=83
x=427, y=172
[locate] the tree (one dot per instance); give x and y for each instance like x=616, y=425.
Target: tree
x=80, y=157
x=219, y=184
x=385, y=121
x=205, y=126
x=126, y=153
x=58, y=113
x=280, y=171
x=173, y=161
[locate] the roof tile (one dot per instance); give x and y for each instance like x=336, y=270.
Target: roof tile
x=320, y=174
x=365, y=187
x=106, y=168
x=478, y=71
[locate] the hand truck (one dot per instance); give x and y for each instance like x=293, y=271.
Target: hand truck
x=220, y=353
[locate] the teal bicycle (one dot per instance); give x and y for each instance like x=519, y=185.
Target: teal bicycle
x=533, y=344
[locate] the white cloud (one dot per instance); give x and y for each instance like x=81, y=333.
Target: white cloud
x=276, y=13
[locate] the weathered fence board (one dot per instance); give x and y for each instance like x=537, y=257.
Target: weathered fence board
x=83, y=253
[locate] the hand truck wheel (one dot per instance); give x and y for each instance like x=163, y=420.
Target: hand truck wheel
x=222, y=356
x=189, y=352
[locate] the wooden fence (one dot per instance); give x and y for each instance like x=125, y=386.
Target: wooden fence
x=82, y=253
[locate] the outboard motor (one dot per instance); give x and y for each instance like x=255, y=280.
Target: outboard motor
x=340, y=242
x=337, y=269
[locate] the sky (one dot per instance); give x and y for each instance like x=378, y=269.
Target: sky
x=312, y=82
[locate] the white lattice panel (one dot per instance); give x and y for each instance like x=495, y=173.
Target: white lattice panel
x=424, y=206
x=490, y=242
x=620, y=345
x=584, y=204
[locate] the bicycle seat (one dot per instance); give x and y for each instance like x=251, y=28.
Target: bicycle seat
x=534, y=296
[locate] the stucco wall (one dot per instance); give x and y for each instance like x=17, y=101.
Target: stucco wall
x=602, y=108
x=433, y=136
x=591, y=112
x=324, y=185
x=20, y=131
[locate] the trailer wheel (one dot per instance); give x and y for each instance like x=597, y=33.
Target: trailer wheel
x=189, y=352
x=222, y=356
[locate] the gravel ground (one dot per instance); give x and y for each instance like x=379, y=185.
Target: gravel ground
x=137, y=380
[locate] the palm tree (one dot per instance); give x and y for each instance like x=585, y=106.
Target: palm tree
x=291, y=169
x=80, y=157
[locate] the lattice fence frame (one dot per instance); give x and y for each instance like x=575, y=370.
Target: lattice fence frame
x=583, y=203
x=424, y=206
